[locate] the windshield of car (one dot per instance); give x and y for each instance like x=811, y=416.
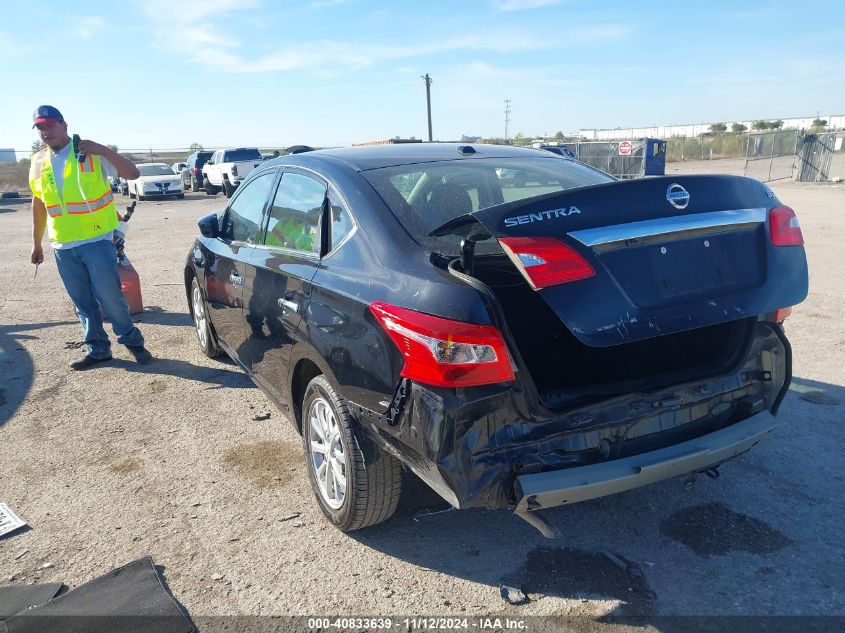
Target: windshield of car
x=424, y=196
x=234, y=155
x=156, y=170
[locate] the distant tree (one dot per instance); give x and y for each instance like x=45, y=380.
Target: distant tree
x=195, y=147
x=559, y=136
x=776, y=125
x=819, y=123
x=520, y=139
x=37, y=146
x=718, y=128
x=760, y=125
x=112, y=147
x=738, y=127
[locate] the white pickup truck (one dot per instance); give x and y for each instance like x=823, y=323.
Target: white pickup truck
x=228, y=167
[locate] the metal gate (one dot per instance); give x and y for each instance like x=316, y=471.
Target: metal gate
x=771, y=155
x=812, y=164
x=605, y=156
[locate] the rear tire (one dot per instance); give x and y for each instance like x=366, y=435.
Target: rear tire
x=202, y=323
x=195, y=186
x=210, y=190
x=228, y=188
x=355, y=482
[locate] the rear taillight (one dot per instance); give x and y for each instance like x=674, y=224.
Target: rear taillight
x=445, y=353
x=196, y=170
x=546, y=261
x=783, y=227
x=781, y=314
x=234, y=170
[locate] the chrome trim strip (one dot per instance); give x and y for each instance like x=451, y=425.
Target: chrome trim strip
x=662, y=226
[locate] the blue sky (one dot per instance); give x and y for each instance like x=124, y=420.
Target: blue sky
x=167, y=73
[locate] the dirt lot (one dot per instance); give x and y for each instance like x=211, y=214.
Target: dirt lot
x=122, y=461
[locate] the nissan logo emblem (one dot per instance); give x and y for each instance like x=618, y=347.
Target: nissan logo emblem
x=677, y=196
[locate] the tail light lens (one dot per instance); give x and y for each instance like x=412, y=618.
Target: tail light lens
x=445, y=353
x=783, y=227
x=234, y=170
x=196, y=170
x=546, y=261
x=781, y=314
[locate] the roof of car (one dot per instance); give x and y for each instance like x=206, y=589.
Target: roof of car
x=377, y=156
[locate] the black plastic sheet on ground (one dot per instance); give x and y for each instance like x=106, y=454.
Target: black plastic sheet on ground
x=130, y=599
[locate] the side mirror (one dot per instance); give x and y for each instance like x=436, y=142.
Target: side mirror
x=209, y=225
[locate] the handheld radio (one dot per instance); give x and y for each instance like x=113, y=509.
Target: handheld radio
x=79, y=156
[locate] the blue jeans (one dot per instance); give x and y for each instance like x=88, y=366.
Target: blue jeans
x=89, y=273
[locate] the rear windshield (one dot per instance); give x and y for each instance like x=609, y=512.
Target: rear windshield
x=234, y=155
x=424, y=196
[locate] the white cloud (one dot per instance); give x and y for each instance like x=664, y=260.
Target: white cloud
x=523, y=5
x=85, y=28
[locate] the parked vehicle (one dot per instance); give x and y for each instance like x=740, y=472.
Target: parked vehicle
x=155, y=180
x=192, y=174
x=513, y=350
x=227, y=168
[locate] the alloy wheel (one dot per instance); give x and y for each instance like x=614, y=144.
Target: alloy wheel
x=200, y=317
x=328, y=455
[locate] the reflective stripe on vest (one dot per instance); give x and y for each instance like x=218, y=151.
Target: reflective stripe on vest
x=79, y=214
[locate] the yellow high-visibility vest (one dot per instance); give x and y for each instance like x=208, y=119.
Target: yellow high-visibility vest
x=76, y=214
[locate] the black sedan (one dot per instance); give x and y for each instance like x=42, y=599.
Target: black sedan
x=513, y=346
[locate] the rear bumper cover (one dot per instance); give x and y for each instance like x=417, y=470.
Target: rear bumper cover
x=549, y=489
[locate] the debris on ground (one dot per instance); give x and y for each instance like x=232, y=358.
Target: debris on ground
x=288, y=517
x=512, y=595
x=9, y=521
x=261, y=416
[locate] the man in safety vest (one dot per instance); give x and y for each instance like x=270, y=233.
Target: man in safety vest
x=71, y=197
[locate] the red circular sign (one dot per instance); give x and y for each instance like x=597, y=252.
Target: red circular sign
x=625, y=148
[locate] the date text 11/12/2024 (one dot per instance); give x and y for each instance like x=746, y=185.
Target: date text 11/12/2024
x=415, y=623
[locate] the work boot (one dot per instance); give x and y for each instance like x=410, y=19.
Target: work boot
x=142, y=356
x=87, y=362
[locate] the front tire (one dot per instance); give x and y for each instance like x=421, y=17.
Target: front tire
x=354, y=488
x=202, y=324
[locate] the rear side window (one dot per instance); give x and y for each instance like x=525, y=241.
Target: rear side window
x=426, y=196
x=295, y=214
x=341, y=223
x=243, y=217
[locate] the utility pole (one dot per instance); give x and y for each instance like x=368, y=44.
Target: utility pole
x=428, y=103
x=507, y=119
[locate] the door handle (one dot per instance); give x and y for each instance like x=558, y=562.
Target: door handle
x=287, y=305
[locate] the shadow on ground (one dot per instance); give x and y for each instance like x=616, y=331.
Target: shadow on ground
x=16, y=365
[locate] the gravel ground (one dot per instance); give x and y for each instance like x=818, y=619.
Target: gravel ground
x=122, y=461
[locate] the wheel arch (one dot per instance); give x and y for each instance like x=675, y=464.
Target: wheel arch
x=303, y=370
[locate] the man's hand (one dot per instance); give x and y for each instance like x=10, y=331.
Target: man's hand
x=125, y=168
x=37, y=256
x=91, y=148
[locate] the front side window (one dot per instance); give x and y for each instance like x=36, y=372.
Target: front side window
x=295, y=214
x=243, y=217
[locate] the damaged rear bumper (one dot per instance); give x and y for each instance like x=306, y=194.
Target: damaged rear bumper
x=555, y=488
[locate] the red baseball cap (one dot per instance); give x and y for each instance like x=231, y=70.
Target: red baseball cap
x=46, y=113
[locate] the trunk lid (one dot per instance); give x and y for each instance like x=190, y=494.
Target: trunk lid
x=670, y=253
